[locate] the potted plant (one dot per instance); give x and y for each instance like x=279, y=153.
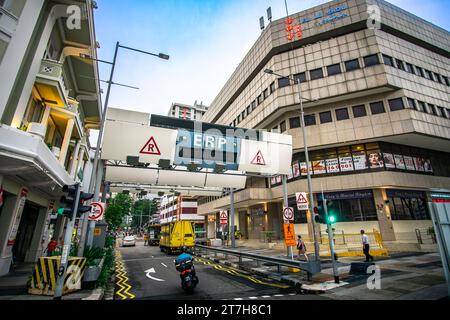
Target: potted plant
x=94, y=263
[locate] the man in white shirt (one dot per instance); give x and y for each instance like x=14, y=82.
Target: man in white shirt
x=366, y=246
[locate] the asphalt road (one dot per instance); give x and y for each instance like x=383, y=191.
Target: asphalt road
x=215, y=281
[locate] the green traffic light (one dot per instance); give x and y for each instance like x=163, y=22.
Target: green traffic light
x=332, y=219
x=60, y=211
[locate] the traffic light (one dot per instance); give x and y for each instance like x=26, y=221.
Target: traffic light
x=319, y=212
x=68, y=201
x=331, y=219
x=81, y=207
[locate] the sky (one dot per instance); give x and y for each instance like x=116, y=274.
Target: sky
x=205, y=39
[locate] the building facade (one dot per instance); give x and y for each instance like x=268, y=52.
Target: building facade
x=375, y=86
x=49, y=100
x=184, y=111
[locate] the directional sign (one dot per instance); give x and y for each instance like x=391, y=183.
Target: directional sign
x=288, y=214
x=302, y=201
x=223, y=217
x=152, y=270
x=150, y=147
x=289, y=235
x=259, y=159
x=97, y=211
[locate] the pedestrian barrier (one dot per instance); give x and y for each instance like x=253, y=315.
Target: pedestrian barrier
x=43, y=281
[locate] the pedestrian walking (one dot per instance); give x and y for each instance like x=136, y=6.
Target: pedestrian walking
x=366, y=246
x=51, y=247
x=146, y=238
x=301, y=248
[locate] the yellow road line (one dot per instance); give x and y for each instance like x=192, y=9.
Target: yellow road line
x=121, y=275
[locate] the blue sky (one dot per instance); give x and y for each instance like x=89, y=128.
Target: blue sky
x=206, y=40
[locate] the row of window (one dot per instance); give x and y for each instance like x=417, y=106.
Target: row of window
x=418, y=71
x=377, y=107
x=350, y=65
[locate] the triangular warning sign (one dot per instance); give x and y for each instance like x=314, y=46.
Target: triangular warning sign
x=150, y=147
x=301, y=199
x=259, y=159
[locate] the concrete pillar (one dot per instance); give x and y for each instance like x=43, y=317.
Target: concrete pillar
x=384, y=215
x=6, y=219
x=66, y=141
x=45, y=117
x=59, y=228
x=74, y=163
x=17, y=48
x=36, y=247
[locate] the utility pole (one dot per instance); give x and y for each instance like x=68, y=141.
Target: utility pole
x=286, y=204
x=232, y=226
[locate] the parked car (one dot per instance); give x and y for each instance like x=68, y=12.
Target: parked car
x=128, y=241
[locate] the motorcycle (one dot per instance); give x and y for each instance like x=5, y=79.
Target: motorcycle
x=189, y=279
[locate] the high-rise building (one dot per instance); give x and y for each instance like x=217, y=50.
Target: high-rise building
x=49, y=100
x=184, y=111
x=375, y=85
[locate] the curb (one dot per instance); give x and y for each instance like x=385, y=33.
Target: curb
x=97, y=294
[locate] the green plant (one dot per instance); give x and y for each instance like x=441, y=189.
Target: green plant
x=110, y=242
x=108, y=268
x=23, y=127
x=49, y=145
x=93, y=254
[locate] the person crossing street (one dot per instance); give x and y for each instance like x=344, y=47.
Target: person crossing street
x=366, y=246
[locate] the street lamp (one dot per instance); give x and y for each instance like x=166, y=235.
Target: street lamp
x=305, y=143
x=94, y=187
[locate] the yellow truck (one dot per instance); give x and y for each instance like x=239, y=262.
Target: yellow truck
x=175, y=235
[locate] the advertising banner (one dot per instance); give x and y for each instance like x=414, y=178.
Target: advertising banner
x=346, y=163
x=376, y=160
x=409, y=163
x=427, y=165
x=303, y=168
x=332, y=165
x=319, y=167
x=360, y=162
x=399, y=162
x=296, y=167
x=389, y=161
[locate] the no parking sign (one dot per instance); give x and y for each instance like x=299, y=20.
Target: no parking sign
x=97, y=211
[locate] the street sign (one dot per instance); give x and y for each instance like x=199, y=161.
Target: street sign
x=302, y=200
x=150, y=147
x=223, y=217
x=259, y=159
x=289, y=235
x=97, y=211
x=288, y=214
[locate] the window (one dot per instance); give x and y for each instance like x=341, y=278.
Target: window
x=429, y=74
x=432, y=109
x=396, y=104
x=35, y=111
x=265, y=94
x=420, y=72
x=446, y=80
x=351, y=65
x=272, y=87
x=275, y=129
x=283, y=82
x=442, y=112
x=412, y=104
x=300, y=77
x=316, y=74
x=294, y=122
x=234, y=123
x=388, y=60
x=399, y=64
x=377, y=107
x=437, y=77
x=253, y=105
x=359, y=111
x=239, y=118
x=334, y=69
x=283, y=126
x=342, y=114
x=409, y=68
x=310, y=120
x=243, y=115
x=248, y=110
x=371, y=60
x=421, y=106
x=325, y=117
x=259, y=99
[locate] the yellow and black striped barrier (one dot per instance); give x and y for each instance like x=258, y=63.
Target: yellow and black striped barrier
x=43, y=281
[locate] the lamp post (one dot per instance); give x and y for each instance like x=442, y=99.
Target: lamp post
x=95, y=182
x=305, y=143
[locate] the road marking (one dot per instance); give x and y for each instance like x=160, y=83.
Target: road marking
x=238, y=299
x=253, y=298
x=265, y=297
x=278, y=295
x=164, y=265
x=152, y=270
x=123, y=292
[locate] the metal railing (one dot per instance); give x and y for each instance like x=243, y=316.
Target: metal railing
x=310, y=267
x=425, y=236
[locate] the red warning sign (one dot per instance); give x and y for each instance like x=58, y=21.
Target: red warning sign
x=150, y=147
x=302, y=201
x=259, y=159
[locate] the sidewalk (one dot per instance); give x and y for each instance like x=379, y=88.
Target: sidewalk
x=404, y=276
x=14, y=286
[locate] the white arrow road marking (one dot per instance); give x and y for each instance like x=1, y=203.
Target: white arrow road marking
x=152, y=270
x=163, y=264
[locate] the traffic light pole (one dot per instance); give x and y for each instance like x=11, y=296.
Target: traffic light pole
x=66, y=248
x=331, y=240
x=290, y=252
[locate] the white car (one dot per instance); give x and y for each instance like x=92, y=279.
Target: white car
x=129, y=241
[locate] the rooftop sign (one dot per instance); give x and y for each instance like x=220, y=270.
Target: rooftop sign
x=330, y=15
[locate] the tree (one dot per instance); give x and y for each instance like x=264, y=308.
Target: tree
x=145, y=207
x=117, y=209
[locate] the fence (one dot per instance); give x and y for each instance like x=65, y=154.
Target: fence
x=425, y=236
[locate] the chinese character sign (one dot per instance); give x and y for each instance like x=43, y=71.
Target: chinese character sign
x=293, y=30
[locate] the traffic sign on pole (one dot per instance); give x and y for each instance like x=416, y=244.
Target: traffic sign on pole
x=302, y=201
x=223, y=217
x=288, y=214
x=97, y=211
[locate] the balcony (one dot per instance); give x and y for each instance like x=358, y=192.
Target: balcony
x=51, y=84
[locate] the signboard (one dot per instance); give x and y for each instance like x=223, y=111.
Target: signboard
x=288, y=214
x=302, y=200
x=97, y=231
x=223, y=217
x=289, y=235
x=332, y=165
x=20, y=204
x=97, y=211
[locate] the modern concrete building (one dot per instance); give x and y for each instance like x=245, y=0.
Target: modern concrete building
x=49, y=99
x=377, y=115
x=184, y=111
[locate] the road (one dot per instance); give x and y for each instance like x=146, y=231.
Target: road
x=216, y=282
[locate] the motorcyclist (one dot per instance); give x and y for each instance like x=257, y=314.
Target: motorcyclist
x=184, y=257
